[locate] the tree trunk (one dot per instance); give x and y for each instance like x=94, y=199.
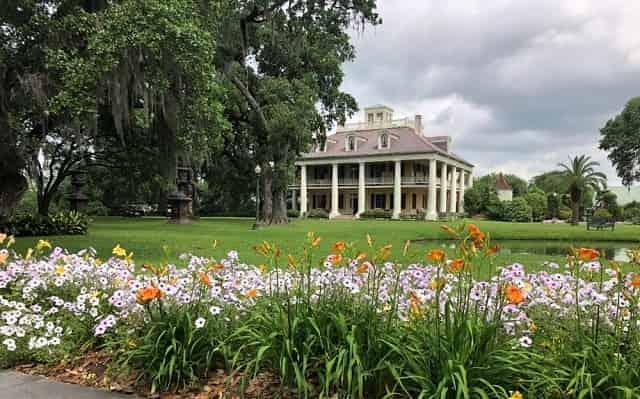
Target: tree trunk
x=44, y=203
x=575, y=210
x=280, y=208
x=13, y=183
x=167, y=162
x=266, y=212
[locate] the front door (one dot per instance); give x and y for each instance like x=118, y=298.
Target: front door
x=354, y=203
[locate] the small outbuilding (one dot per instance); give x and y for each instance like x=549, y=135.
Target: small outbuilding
x=504, y=189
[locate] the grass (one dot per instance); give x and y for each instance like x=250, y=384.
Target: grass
x=145, y=237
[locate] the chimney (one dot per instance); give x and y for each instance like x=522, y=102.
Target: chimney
x=418, y=123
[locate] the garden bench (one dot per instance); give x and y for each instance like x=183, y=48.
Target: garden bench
x=599, y=223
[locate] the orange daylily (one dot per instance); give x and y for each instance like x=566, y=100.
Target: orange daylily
x=205, y=279
x=148, y=294
x=252, y=293
x=514, y=294
x=361, y=256
x=335, y=259
x=3, y=258
x=436, y=255
x=635, y=281
x=315, y=242
x=363, y=267
x=587, y=254
x=456, y=265
x=338, y=247
x=492, y=250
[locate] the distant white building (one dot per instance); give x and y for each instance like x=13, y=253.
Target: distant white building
x=382, y=163
x=504, y=189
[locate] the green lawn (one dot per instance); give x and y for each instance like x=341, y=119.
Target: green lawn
x=145, y=237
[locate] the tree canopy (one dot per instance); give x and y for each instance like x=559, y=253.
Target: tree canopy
x=620, y=136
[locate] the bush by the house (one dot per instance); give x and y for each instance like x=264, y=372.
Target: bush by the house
x=537, y=200
x=61, y=223
x=292, y=213
x=517, y=210
x=376, y=214
x=317, y=214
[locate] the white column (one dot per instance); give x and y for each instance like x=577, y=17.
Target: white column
x=462, y=187
x=334, y=191
x=362, y=193
x=432, y=214
x=443, y=188
x=294, y=202
x=303, y=190
x=453, y=208
x=397, y=191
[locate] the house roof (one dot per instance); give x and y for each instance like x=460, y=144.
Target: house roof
x=502, y=183
x=403, y=140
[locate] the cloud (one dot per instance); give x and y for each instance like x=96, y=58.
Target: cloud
x=519, y=85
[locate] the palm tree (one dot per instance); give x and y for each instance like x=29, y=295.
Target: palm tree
x=581, y=174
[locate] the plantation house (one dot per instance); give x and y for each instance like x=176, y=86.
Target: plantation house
x=382, y=164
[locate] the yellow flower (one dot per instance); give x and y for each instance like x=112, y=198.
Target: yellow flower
x=42, y=244
x=2, y=237
x=405, y=249
x=515, y=395
x=29, y=253
x=119, y=251
x=369, y=241
x=12, y=240
x=59, y=270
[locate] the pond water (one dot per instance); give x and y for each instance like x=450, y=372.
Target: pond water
x=612, y=250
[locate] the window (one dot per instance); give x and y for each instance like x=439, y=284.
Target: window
x=370, y=119
x=351, y=143
x=379, y=116
x=414, y=200
x=341, y=201
x=384, y=140
x=403, y=201
x=322, y=146
x=378, y=201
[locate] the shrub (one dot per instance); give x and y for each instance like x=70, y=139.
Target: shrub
x=538, y=203
x=292, y=213
x=376, y=214
x=564, y=212
x=61, y=223
x=631, y=213
x=517, y=210
x=318, y=214
x=602, y=213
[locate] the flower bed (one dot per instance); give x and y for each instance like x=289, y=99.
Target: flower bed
x=351, y=323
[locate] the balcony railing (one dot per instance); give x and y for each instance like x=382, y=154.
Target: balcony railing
x=379, y=180
x=348, y=181
x=404, y=122
x=318, y=182
x=415, y=179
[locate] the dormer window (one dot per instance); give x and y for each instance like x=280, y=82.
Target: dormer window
x=351, y=143
x=384, y=141
x=322, y=146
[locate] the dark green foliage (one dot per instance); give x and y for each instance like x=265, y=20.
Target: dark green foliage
x=537, y=200
x=551, y=182
x=61, y=223
x=581, y=176
x=609, y=200
x=620, y=136
x=170, y=351
x=564, y=212
x=376, y=214
x=602, y=213
x=317, y=214
x=517, y=210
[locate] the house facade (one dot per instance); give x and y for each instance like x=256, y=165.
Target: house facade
x=385, y=164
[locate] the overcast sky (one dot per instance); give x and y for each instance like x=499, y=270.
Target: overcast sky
x=520, y=85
